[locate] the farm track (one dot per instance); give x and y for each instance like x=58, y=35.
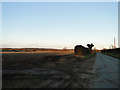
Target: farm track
x=106, y=71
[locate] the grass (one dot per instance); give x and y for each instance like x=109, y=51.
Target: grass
x=89, y=56
x=115, y=55
x=30, y=60
x=36, y=60
x=65, y=62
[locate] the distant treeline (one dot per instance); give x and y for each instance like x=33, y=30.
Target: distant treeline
x=116, y=50
x=30, y=49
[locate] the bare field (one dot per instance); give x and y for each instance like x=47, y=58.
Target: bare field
x=46, y=70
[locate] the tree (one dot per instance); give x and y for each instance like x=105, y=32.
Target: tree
x=81, y=50
x=90, y=46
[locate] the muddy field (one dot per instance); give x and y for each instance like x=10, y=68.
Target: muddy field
x=47, y=70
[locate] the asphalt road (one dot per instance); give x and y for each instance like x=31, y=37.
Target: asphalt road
x=106, y=72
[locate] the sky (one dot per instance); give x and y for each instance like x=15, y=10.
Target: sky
x=59, y=24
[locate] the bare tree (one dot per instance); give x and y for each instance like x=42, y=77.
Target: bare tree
x=90, y=46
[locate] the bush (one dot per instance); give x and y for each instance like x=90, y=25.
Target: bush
x=80, y=50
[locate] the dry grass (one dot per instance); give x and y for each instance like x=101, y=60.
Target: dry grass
x=29, y=60
x=115, y=55
x=70, y=51
x=76, y=70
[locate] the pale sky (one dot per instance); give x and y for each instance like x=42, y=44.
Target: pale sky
x=59, y=24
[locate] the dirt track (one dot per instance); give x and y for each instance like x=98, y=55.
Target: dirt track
x=106, y=71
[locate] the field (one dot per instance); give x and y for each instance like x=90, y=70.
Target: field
x=52, y=69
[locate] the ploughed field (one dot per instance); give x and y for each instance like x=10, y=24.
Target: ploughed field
x=55, y=69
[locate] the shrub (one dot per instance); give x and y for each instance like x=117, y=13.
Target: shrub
x=81, y=50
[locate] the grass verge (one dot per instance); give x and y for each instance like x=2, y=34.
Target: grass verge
x=89, y=56
x=115, y=55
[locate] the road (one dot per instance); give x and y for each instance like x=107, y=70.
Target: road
x=106, y=72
